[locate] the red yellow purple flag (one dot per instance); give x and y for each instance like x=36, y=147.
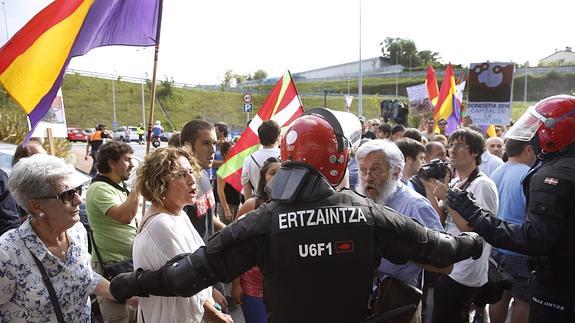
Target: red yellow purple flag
x=282, y=105
x=448, y=107
x=431, y=83
x=33, y=62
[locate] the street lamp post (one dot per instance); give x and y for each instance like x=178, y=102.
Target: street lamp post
x=5, y=21
x=396, y=73
x=348, y=80
x=115, y=124
x=360, y=79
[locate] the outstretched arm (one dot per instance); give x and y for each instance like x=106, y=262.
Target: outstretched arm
x=401, y=238
x=228, y=254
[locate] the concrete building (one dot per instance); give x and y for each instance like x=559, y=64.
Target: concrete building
x=559, y=58
x=370, y=67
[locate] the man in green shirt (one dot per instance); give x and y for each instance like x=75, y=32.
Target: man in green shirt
x=111, y=211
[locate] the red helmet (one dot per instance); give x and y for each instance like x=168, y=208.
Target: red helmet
x=312, y=140
x=553, y=119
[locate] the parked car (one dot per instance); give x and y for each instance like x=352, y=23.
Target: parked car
x=130, y=135
x=77, y=134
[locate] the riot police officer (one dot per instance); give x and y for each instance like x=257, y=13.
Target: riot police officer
x=547, y=233
x=317, y=247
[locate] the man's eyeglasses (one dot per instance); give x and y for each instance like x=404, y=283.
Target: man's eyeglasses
x=457, y=147
x=375, y=172
x=66, y=196
x=442, y=123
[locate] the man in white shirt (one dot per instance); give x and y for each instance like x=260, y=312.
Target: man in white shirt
x=269, y=136
x=453, y=294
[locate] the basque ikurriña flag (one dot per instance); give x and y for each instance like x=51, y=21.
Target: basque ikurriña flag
x=282, y=105
x=34, y=60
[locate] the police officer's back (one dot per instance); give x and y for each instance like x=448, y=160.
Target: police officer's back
x=318, y=248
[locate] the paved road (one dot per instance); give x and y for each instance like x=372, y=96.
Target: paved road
x=79, y=151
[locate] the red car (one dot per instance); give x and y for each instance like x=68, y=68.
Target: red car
x=76, y=134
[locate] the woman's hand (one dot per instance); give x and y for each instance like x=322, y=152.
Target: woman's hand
x=212, y=314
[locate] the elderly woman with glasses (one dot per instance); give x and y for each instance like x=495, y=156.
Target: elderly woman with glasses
x=51, y=240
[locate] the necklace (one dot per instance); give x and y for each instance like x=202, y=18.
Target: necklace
x=57, y=251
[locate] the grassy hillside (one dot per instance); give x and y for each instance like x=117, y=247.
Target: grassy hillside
x=88, y=101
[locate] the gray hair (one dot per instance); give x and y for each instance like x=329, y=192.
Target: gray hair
x=392, y=153
x=35, y=176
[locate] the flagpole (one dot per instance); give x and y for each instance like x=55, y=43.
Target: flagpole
x=154, y=73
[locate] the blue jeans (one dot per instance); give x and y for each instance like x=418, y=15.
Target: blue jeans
x=254, y=309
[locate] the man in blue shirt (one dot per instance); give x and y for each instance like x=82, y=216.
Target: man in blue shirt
x=380, y=164
x=508, y=178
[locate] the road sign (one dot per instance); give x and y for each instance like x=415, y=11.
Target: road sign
x=248, y=107
x=348, y=100
x=247, y=97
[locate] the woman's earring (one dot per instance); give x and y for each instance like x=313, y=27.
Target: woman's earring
x=41, y=214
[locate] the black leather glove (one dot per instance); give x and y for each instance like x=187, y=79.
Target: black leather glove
x=474, y=244
x=464, y=203
x=125, y=286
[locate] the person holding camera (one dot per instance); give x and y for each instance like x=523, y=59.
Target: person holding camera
x=317, y=247
x=430, y=179
x=547, y=232
x=454, y=293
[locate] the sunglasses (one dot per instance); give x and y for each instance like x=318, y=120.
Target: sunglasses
x=66, y=196
x=442, y=123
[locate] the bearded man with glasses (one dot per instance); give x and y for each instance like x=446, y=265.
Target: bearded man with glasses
x=380, y=164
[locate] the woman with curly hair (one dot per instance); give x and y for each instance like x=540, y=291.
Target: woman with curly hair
x=167, y=178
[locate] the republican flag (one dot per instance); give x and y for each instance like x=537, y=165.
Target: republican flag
x=34, y=60
x=282, y=105
x=448, y=107
x=431, y=83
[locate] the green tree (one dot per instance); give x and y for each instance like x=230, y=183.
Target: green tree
x=240, y=78
x=259, y=76
x=428, y=57
x=228, y=77
x=404, y=52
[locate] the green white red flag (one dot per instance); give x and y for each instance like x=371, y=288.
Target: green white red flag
x=282, y=105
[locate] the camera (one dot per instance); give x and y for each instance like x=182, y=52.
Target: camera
x=436, y=168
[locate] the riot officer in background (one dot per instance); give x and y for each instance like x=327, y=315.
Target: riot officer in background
x=547, y=233
x=317, y=247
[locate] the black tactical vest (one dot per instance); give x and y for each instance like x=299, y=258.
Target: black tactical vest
x=321, y=260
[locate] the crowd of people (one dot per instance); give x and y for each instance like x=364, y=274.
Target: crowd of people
x=322, y=223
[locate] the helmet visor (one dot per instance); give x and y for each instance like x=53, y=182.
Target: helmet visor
x=526, y=127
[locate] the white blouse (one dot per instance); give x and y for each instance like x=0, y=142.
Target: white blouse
x=163, y=237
